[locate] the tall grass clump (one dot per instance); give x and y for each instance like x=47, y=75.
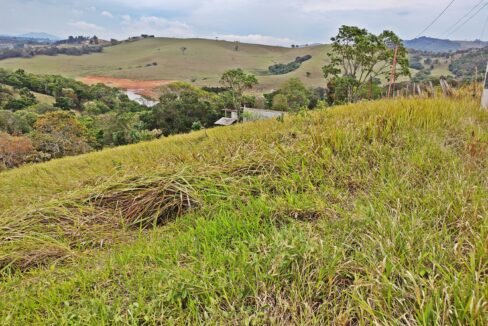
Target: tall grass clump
x=372, y=213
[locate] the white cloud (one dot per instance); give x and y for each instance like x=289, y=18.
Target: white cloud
x=156, y=25
x=299, y=5
x=88, y=27
x=165, y=4
x=107, y=14
x=309, y=6
x=305, y=21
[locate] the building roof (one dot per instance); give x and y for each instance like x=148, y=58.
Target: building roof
x=225, y=121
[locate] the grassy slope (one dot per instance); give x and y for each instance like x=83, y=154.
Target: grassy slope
x=370, y=213
x=203, y=59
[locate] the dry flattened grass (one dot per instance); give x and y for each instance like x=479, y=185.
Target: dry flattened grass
x=53, y=233
x=106, y=216
x=35, y=258
x=148, y=202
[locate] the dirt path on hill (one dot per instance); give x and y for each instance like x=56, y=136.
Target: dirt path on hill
x=142, y=87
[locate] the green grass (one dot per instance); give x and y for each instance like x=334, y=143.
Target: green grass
x=374, y=213
x=204, y=62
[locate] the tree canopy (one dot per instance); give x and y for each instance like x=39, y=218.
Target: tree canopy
x=238, y=81
x=359, y=56
x=296, y=93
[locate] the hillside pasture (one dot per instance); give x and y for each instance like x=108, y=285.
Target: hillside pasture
x=202, y=63
x=373, y=213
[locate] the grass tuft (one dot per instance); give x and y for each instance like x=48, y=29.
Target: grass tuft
x=148, y=202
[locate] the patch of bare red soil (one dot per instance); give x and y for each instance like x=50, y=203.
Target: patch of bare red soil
x=142, y=87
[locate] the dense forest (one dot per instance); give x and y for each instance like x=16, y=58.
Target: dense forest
x=282, y=69
x=85, y=118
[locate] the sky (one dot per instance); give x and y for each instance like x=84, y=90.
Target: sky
x=276, y=22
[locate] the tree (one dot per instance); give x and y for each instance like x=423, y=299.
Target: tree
x=27, y=96
x=339, y=89
x=180, y=108
x=15, y=123
x=64, y=103
x=280, y=103
x=59, y=134
x=296, y=94
x=317, y=97
x=238, y=81
x=360, y=55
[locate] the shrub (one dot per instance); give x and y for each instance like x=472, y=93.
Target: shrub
x=14, y=151
x=280, y=103
x=60, y=134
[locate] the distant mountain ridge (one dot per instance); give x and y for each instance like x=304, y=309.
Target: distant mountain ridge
x=41, y=36
x=440, y=45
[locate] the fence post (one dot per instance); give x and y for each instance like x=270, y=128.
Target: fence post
x=484, y=97
x=431, y=87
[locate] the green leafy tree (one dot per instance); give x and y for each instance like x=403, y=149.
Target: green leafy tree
x=117, y=128
x=27, y=96
x=280, y=103
x=95, y=108
x=43, y=108
x=296, y=94
x=25, y=99
x=361, y=55
x=339, y=89
x=180, y=108
x=15, y=123
x=238, y=82
x=64, y=103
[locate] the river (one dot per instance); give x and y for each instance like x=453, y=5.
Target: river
x=133, y=96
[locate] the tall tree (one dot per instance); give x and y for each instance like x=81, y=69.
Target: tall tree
x=238, y=82
x=359, y=55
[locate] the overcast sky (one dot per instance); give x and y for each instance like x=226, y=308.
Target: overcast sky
x=280, y=22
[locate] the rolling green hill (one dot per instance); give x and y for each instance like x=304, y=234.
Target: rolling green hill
x=203, y=62
x=373, y=213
